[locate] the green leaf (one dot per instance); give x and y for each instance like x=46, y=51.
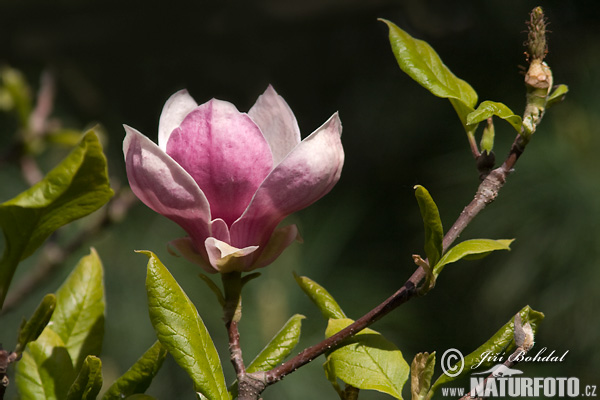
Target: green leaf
x=367, y=361
x=471, y=249
x=421, y=371
x=139, y=376
x=75, y=188
x=31, y=329
x=279, y=347
x=45, y=372
x=64, y=137
x=79, y=315
x=502, y=342
x=434, y=232
x=88, y=383
x=489, y=108
x=14, y=83
x=557, y=95
x=181, y=330
x=420, y=61
x=140, y=397
x=321, y=297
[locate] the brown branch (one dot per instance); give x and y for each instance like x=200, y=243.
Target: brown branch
x=486, y=193
x=235, y=350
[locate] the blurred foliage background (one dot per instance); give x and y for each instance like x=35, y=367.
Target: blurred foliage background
x=116, y=62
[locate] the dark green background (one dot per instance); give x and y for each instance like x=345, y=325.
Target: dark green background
x=118, y=61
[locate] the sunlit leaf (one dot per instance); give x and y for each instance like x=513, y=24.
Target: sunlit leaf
x=490, y=108
x=471, y=249
x=88, y=383
x=32, y=328
x=75, y=188
x=367, y=361
x=421, y=371
x=279, y=347
x=79, y=315
x=138, y=378
x=181, y=330
x=502, y=342
x=321, y=297
x=420, y=61
x=45, y=372
x=434, y=232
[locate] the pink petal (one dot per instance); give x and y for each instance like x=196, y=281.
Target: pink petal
x=158, y=181
x=279, y=241
x=277, y=123
x=226, y=258
x=175, y=110
x=225, y=153
x=308, y=173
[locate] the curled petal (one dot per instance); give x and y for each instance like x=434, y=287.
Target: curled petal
x=159, y=182
x=226, y=154
x=279, y=241
x=226, y=258
x=308, y=173
x=277, y=123
x=175, y=110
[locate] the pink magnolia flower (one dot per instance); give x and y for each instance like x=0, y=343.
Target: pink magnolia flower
x=229, y=178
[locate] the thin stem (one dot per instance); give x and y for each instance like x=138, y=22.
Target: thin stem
x=232, y=285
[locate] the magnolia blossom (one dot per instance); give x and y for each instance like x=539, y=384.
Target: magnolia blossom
x=229, y=178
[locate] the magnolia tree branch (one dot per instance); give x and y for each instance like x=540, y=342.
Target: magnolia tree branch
x=538, y=81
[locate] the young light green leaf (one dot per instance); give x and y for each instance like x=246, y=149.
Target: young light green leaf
x=30, y=330
x=279, y=347
x=420, y=61
x=421, y=371
x=79, y=315
x=181, y=330
x=321, y=297
x=434, y=232
x=367, y=361
x=502, y=342
x=139, y=376
x=557, y=95
x=489, y=108
x=487, y=140
x=471, y=249
x=45, y=372
x=75, y=188
x=88, y=383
